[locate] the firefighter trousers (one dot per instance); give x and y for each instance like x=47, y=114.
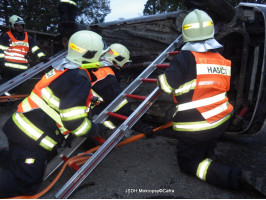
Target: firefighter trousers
x=21, y=172
x=194, y=153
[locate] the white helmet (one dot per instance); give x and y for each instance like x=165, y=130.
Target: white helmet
x=14, y=19
x=85, y=47
x=118, y=55
x=197, y=26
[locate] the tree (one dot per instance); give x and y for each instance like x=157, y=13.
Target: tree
x=93, y=11
x=164, y=6
x=42, y=15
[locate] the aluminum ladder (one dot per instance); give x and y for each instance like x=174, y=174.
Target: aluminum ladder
x=122, y=130
x=24, y=76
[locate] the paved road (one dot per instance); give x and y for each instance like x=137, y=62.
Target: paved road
x=148, y=169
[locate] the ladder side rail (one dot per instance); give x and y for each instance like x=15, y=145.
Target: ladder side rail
x=138, y=81
x=10, y=84
x=57, y=161
x=110, y=143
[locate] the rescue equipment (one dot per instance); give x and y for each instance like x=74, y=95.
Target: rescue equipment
x=120, y=131
x=21, y=78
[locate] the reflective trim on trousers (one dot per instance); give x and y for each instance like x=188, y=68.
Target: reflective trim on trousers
x=203, y=168
x=32, y=131
x=198, y=126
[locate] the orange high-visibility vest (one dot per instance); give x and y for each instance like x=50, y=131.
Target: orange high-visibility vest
x=46, y=80
x=101, y=73
x=17, y=49
x=213, y=79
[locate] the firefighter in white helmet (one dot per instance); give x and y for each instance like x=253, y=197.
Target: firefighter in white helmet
x=106, y=87
x=58, y=102
x=199, y=78
x=14, y=47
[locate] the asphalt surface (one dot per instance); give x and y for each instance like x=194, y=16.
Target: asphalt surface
x=148, y=168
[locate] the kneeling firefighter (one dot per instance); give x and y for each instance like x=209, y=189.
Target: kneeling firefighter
x=107, y=87
x=199, y=77
x=60, y=97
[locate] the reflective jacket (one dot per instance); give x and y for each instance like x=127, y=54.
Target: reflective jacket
x=203, y=91
x=101, y=74
x=14, y=48
x=107, y=88
x=65, y=104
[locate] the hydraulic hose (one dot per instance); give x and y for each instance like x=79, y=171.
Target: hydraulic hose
x=83, y=157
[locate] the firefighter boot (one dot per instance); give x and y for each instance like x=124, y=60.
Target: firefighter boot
x=249, y=181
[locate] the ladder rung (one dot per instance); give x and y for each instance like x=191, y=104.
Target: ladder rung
x=162, y=65
x=149, y=80
x=173, y=53
x=121, y=117
x=138, y=97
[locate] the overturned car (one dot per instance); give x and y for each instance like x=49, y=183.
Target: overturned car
x=240, y=30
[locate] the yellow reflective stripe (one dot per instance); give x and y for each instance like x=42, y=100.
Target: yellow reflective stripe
x=45, y=108
x=185, y=87
x=83, y=129
x=215, y=111
x=40, y=54
x=69, y=1
x=201, y=102
x=48, y=143
x=26, y=105
x=109, y=124
x=12, y=65
x=197, y=25
x=95, y=94
x=29, y=160
x=203, y=168
x=32, y=131
x=62, y=129
x=190, y=26
x=26, y=126
x=73, y=113
x=198, y=126
x=213, y=69
x=25, y=44
x=124, y=102
x=164, y=84
x=207, y=23
x=34, y=49
x=3, y=47
x=50, y=98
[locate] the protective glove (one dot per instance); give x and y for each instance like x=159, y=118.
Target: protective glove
x=44, y=59
x=148, y=132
